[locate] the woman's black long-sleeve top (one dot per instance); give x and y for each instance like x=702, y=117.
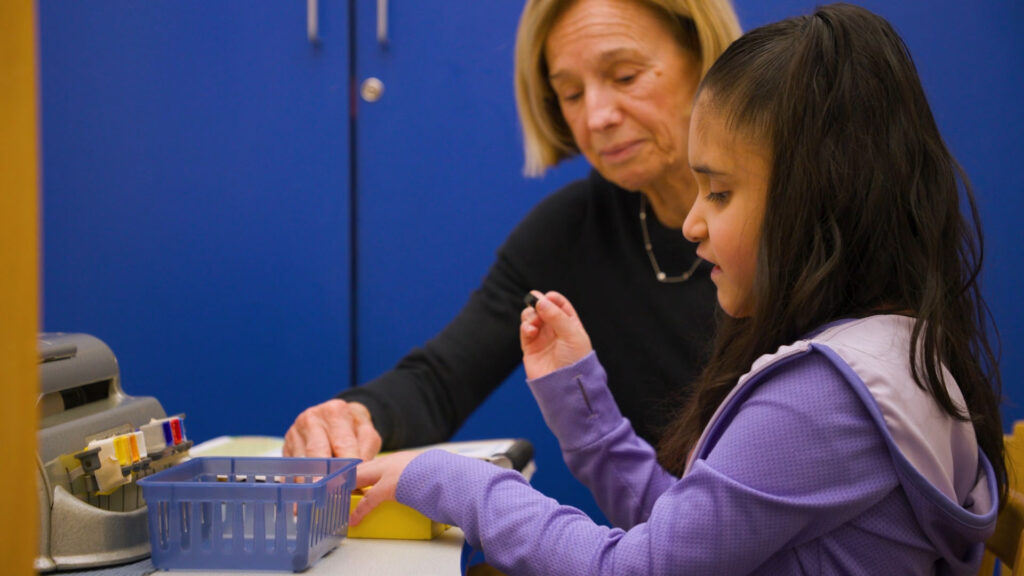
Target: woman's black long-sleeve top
x=584, y=241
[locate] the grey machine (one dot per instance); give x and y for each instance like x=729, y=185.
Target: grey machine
x=88, y=520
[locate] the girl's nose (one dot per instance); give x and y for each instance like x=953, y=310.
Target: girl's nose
x=695, y=229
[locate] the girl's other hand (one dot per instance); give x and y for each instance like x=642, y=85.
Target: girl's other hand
x=382, y=474
x=551, y=335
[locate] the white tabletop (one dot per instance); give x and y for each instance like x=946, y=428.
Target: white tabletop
x=441, y=556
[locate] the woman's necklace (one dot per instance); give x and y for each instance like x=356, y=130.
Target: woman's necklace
x=661, y=276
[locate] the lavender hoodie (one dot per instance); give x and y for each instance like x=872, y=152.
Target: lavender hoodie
x=826, y=458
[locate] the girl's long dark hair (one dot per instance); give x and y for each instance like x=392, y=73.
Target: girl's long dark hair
x=863, y=214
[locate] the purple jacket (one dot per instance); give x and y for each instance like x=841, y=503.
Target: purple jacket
x=825, y=459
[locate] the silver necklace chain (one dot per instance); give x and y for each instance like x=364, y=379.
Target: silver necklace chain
x=661, y=276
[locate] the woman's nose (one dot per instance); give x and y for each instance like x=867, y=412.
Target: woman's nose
x=602, y=109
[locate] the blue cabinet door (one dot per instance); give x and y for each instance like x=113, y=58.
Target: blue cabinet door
x=196, y=166
x=439, y=187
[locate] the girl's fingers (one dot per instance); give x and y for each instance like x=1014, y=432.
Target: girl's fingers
x=528, y=315
x=367, y=503
x=557, y=313
x=383, y=475
x=368, y=473
x=527, y=333
x=562, y=302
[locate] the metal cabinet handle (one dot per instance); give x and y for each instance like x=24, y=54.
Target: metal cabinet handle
x=312, y=21
x=382, y=22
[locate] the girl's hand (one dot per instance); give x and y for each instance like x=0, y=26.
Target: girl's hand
x=551, y=335
x=382, y=474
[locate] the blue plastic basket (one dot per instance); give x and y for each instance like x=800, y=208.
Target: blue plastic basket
x=248, y=513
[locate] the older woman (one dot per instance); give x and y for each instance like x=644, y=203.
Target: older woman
x=613, y=80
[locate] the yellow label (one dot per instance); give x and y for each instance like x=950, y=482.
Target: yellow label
x=123, y=450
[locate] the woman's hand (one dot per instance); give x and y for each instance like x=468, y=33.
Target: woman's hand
x=551, y=335
x=382, y=474
x=336, y=429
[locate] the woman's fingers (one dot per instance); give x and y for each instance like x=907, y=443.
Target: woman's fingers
x=334, y=428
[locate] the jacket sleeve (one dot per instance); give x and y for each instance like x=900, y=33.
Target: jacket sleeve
x=790, y=467
x=599, y=445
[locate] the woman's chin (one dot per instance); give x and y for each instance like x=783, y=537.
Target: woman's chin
x=628, y=179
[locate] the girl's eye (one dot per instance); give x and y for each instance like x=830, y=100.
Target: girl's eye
x=718, y=197
x=571, y=97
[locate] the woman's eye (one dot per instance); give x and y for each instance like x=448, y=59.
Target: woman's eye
x=568, y=94
x=625, y=78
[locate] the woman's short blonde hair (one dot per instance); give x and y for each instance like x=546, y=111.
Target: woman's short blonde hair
x=706, y=27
